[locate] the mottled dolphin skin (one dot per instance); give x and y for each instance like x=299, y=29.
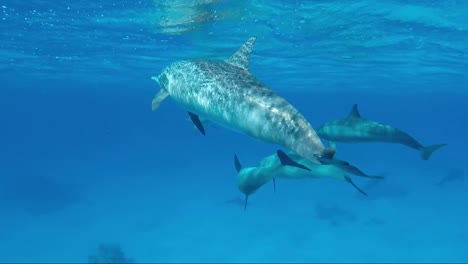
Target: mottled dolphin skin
x=226, y=93
x=250, y=179
x=355, y=129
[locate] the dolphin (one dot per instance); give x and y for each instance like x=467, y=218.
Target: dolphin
x=250, y=179
x=356, y=129
x=227, y=94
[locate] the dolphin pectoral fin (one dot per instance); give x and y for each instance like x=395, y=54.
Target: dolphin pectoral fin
x=245, y=203
x=158, y=98
x=348, y=179
x=202, y=120
x=285, y=160
x=426, y=152
x=194, y=126
x=237, y=163
x=197, y=122
x=274, y=185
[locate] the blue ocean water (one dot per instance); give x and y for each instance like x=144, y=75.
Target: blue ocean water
x=88, y=171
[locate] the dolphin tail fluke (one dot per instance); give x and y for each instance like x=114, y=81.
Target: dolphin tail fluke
x=426, y=152
x=348, y=179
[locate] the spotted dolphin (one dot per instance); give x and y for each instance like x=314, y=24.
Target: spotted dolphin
x=227, y=94
x=356, y=129
x=250, y=179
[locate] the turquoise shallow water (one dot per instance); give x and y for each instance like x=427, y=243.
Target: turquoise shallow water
x=85, y=162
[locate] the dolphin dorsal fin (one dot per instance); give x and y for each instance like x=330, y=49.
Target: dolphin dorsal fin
x=241, y=58
x=354, y=112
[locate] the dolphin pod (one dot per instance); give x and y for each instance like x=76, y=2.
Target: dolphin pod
x=225, y=93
